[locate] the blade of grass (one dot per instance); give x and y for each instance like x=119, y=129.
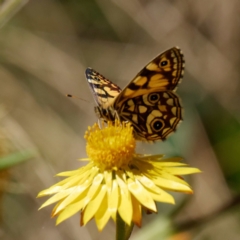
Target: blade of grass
x=16, y=158
x=9, y=8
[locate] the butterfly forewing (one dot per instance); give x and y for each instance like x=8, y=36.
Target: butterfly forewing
x=163, y=73
x=104, y=91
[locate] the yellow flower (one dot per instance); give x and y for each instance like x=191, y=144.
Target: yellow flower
x=116, y=180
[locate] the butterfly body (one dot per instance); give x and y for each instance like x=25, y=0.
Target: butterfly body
x=108, y=114
x=149, y=101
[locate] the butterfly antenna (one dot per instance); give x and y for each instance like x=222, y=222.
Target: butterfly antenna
x=72, y=96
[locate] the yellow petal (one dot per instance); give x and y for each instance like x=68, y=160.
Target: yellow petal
x=170, y=184
x=55, y=198
x=81, y=175
x=166, y=175
x=113, y=196
x=141, y=194
x=148, y=183
x=125, y=204
x=66, y=183
x=69, y=211
x=157, y=193
x=69, y=173
x=108, y=178
x=121, y=181
x=182, y=170
x=53, y=214
x=95, y=204
x=78, y=193
x=137, y=211
x=162, y=197
x=169, y=164
x=73, y=192
x=102, y=215
x=49, y=191
x=88, y=175
x=112, y=191
x=96, y=184
x=114, y=216
x=132, y=173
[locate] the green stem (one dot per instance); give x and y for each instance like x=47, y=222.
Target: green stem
x=123, y=231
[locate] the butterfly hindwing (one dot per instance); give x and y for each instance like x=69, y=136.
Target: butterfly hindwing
x=153, y=116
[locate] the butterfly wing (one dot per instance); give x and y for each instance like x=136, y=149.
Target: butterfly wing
x=149, y=101
x=163, y=73
x=104, y=91
x=153, y=116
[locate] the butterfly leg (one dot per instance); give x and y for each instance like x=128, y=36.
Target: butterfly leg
x=116, y=116
x=100, y=123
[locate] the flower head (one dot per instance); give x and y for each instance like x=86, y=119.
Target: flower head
x=116, y=180
x=111, y=147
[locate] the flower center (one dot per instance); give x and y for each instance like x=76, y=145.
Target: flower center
x=112, y=146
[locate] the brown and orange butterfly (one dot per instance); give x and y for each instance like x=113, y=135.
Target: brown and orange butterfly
x=148, y=102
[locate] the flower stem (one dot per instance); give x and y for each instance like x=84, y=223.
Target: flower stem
x=123, y=231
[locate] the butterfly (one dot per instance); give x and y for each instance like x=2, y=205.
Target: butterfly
x=148, y=102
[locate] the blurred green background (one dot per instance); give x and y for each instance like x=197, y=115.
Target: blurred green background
x=45, y=47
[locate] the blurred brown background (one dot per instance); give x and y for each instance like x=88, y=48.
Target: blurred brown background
x=45, y=47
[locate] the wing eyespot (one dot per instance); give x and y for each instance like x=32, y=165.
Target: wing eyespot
x=157, y=124
x=153, y=98
x=163, y=63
